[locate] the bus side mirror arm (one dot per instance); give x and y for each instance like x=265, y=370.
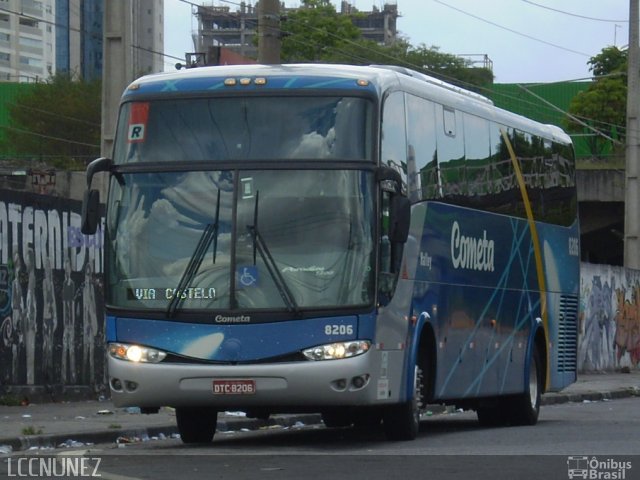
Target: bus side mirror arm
x=400, y=215
x=90, y=212
x=101, y=164
x=91, y=199
x=400, y=208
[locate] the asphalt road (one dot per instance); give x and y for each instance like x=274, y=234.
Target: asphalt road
x=449, y=446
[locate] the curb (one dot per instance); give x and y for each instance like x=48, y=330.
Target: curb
x=558, y=398
x=134, y=435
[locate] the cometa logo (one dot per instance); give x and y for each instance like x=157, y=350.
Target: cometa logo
x=234, y=319
x=471, y=253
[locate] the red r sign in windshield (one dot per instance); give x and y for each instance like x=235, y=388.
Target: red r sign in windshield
x=138, y=121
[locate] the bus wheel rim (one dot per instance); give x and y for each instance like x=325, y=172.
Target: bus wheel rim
x=533, y=384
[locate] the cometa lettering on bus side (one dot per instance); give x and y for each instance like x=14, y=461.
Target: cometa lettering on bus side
x=471, y=253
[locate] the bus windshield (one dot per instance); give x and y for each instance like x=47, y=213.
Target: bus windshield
x=286, y=240
x=245, y=128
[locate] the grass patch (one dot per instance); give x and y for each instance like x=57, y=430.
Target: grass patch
x=9, y=400
x=30, y=430
x=115, y=426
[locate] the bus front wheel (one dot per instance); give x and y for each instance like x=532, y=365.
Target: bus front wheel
x=196, y=424
x=402, y=421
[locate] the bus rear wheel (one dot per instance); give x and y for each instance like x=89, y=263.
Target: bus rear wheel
x=196, y=424
x=522, y=409
x=402, y=421
x=525, y=408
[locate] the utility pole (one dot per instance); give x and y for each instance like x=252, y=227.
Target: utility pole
x=269, y=32
x=632, y=171
x=117, y=66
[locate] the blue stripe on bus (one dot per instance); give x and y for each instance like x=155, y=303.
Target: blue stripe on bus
x=238, y=342
x=202, y=84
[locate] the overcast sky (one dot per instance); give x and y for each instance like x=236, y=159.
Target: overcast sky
x=528, y=41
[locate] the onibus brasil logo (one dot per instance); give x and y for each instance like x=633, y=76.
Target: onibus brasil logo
x=594, y=468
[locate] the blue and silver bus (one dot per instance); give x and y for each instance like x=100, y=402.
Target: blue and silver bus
x=356, y=241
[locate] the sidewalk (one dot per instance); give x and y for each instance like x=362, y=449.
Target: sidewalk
x=88, y=422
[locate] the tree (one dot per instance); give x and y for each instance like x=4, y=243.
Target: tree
x=610, y=60
x=56, y=122
x=603, y=105
x=317, y=33
x=314, y=32
x=448, y=67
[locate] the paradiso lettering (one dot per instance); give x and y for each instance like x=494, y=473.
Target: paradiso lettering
x=471, y=253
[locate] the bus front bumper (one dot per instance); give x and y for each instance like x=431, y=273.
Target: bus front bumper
x=351, y=381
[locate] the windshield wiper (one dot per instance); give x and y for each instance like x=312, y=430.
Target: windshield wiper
x=209, y=234
x=262, y=248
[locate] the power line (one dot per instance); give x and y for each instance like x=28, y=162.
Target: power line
x=83, y=31
x=394, y=60
x=512, y=30
x=53, y=114
x=488, y=91
x=572, y=117
x=49, y=137
x=574, y=14
x=347, y=53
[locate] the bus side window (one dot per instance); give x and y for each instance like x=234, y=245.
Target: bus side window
x=503, y=179
x=393, y=150
x=422, y=162
x=451, y=158
x=477, y=150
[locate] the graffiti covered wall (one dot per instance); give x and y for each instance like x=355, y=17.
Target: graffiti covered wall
x=51, y=305
x=609, y=331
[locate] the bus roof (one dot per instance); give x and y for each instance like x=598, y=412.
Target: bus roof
x=380, y=79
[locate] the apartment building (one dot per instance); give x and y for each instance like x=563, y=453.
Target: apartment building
x=219, y=26
x=39, y=38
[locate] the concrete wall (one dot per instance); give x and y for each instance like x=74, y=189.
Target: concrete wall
x=600, y=185
x=63, y=184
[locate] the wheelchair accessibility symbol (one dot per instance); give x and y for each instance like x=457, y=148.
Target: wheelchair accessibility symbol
x=247, y=276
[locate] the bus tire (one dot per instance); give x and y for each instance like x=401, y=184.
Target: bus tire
x=367, y=418
x=491, y=416
x=333, y=419
x=402, y=421
x=525, y=407
x=196, y=424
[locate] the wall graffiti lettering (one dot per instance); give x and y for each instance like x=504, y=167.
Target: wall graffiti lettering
x=50, y=294
x=609, y=332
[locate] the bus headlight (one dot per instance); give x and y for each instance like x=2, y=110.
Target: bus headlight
x=135, y=353
x=338, y=350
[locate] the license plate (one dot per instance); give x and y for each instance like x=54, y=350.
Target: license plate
x=234, y=387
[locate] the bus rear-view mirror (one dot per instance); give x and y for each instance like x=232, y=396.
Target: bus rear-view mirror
x=400, y=217
x=90, y=212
